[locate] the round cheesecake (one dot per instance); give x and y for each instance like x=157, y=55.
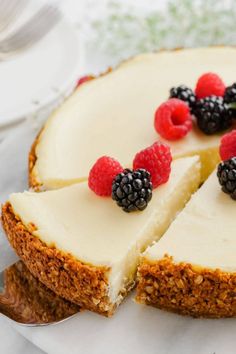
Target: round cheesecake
x=85, y=248
x=114, y=115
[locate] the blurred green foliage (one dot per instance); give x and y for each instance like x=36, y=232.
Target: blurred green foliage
x=183, y=23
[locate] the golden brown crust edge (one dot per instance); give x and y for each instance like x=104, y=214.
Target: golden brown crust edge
x=185, y=290
x=32, y=180
x=82, y=284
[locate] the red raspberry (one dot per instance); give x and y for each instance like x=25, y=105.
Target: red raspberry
x=209, y=84
x=173, y=119
x=156, y=159
x=228, y=146
x=102, y=174
x=84, y=79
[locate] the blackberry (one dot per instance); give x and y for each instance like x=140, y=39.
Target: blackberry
x=132, y=190
x=230, y=94
x=213, y=115
x=226, y=174
x=230, y=97
x=185, y=94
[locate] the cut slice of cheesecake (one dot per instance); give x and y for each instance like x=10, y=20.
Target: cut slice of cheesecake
x=116, y=110
x=84, y=247
x=192, y=269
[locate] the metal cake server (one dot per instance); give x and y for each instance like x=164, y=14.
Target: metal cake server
x=25, y=300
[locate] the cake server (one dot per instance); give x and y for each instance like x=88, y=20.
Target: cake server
x=25, y=300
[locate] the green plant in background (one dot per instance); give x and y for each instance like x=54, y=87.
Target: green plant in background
x=124, y=31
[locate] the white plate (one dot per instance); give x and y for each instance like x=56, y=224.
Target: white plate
x=37, y=77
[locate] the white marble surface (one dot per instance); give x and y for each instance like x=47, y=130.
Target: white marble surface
x=12, y=342
x=136, y=329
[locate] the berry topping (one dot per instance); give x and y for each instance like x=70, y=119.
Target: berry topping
x=84, y=79
x=172, y=119
x=132, y=190
x=230, y=94
x=185, y=94
x=213, y=115
x=226, y=174
x=209, y=84
x=228, y=146
x=230, y=97
x=156, y=159
x=102, y=174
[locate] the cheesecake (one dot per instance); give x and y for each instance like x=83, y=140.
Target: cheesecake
x=85, y=248
x=116, y=110
x=192, y=269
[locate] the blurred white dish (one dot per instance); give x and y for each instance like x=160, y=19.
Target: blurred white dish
x=40, y=76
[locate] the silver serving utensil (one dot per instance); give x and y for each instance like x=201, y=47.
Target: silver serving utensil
x=25, y=300
x=30, y=32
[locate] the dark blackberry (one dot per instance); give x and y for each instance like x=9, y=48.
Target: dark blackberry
x=230, y=94
x=213, y=115
x=132, y=190
x=226, y=174
x=185, y=94
x=230, y=97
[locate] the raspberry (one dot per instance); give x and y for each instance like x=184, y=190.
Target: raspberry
x=209, y=84
x=102, y=174
x=228, y=146
x=173, y=119
x=156, y=159
x=84, y=79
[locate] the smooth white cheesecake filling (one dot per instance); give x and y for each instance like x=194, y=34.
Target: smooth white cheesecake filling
x=114, y=114
x=203, y=234
x=96, y=231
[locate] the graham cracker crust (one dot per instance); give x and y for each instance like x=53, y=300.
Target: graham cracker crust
x=32, y=180
x=83, y=284
x=185, y=290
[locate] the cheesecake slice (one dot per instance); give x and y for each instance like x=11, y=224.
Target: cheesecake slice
x=116, y=110
x=84, y=247
x=192, y=269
